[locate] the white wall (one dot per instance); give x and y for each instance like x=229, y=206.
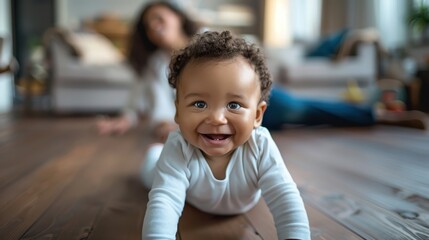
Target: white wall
x=391, y=20
x=5, y=78
x=70, y=13
x=306, y=19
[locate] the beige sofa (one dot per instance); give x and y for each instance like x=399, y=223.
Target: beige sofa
x=326, y=78
x=90, y=76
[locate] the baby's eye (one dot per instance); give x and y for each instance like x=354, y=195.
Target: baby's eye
x=234, y=105
x=200, y=104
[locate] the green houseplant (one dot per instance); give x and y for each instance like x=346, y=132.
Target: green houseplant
x=419, y=19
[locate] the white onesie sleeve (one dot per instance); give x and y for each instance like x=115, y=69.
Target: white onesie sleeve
x=168, y=193
x=280, y=191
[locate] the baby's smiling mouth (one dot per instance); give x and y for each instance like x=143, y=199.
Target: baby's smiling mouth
x=217, y=137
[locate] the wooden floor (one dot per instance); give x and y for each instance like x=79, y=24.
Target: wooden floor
x=60, y=180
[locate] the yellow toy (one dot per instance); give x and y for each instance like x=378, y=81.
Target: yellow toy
x=353, y=93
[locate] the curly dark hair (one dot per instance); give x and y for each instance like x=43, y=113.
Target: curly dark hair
x=140, y=48
x=212, y=45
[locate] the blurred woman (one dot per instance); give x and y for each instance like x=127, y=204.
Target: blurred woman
x=159, y=29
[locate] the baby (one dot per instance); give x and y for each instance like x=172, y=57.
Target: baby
x=221, y=160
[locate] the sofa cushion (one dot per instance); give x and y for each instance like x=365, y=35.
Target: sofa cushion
x=95, y=49
x=328, y=46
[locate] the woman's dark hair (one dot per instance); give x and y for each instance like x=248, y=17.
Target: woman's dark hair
x=220, y=46
x=140, y=48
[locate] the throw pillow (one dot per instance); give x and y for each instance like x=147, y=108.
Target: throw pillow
x=95, y=49
x=328, y=46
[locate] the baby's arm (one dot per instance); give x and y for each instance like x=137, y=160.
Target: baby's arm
x=281, y=194
x=167, y=196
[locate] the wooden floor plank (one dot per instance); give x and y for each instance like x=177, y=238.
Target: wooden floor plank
x=39, y=141
x=365, y=219
x=122, y=214
x=323, y=227
x=262, y=220
x=327, y=183
x=13, y=169
x=74, y=213
x=373, y=161
x=18, y=130
x=23, y=203
x=125, y=205
x=196, y=225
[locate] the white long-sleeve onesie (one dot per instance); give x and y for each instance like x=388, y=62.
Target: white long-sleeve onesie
x=255, y=168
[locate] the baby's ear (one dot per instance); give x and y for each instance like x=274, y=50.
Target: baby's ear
x=176, y=115
x=262, y=106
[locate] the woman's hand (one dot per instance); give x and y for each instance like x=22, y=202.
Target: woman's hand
x=118, y=125
x=162, y=129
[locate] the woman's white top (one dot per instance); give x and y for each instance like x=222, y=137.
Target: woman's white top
x=256, y=168
x=151, y=94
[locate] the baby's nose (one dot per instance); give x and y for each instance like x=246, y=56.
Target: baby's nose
x=217, y=117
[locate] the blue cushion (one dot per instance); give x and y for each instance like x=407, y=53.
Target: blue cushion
x=328, y=46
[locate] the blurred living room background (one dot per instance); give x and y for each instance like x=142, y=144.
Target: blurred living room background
x=67, y=56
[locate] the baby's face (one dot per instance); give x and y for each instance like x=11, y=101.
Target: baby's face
x=218, y=105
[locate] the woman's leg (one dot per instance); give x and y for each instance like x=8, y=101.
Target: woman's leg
x=149, y=162
x=284, y=108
